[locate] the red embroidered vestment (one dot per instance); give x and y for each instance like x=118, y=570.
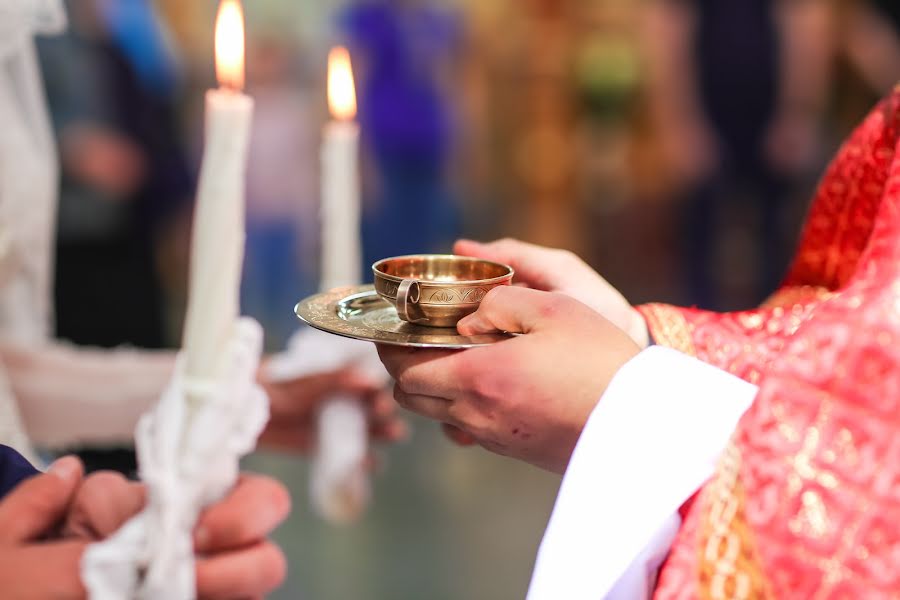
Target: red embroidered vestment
x=805, y=502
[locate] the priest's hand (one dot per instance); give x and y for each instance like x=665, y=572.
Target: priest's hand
x=294, y=405
x=235, y=560
x=561, y=271
x=528, y=397
x=31, y=565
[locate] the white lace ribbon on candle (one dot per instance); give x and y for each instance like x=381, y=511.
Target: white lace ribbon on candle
x=188, y=459
x=339, y=481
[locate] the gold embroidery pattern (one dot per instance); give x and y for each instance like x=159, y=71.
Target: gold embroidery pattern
x=806, y=500
x=797, y=295
x=742, y=343
x=812, y=510
x=728, y=566
x=669, y=327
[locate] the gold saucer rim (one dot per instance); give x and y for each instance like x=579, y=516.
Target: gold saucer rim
x=321, y=311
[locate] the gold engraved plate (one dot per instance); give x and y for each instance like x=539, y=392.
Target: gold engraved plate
x=360, y=313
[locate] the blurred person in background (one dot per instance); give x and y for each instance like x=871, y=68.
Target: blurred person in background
x=737, y=92
x=404, y=50
x=282, y=192
x=112, y=81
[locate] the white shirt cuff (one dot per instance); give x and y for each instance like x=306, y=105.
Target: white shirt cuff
x=650, y=443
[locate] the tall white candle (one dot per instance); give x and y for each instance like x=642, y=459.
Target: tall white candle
x=217, y=246
x=340, y=211
x=340, y=484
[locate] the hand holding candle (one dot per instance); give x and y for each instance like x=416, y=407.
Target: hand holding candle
x=212, y=412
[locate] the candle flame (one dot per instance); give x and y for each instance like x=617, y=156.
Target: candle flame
x=230, y=45
x=341, y=91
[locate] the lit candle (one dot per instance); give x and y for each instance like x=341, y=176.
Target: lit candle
x=339, y=484
x=341, y=253
x=217, y=246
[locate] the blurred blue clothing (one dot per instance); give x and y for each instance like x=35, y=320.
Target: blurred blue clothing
x=14, y=469
x=418, y=214
x=274, y=279
x=135, y=29
x=407, y=122
x=401, y=106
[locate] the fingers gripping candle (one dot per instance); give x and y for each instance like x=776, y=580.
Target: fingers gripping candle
x=212, y=411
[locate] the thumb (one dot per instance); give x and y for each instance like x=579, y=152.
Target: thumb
x=514, y=310
x=39, y=503
x=534, y=265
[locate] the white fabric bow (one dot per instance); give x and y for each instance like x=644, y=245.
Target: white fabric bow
x=188, y=457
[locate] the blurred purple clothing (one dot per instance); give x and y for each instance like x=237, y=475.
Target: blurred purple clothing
x=407, y=122
x=14, y=469
x=401, y=109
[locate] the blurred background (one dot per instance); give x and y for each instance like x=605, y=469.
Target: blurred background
x=674, y=144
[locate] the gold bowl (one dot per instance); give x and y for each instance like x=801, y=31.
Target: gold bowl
x=437, y=290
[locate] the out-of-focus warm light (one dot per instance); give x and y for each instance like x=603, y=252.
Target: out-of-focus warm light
x=230, y=45
x=341, y=91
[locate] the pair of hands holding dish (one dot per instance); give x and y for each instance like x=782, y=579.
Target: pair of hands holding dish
x=528, y=397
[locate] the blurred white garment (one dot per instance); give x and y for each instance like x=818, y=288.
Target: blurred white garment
x=28, y=183
x=28, y=172
x=59, y=395
x=72, y=396
x=20, y=20
x=653, y=439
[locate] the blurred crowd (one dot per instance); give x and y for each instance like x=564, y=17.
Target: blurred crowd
x=673, y=142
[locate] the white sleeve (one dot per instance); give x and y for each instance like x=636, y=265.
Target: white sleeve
x=70, y=395
x=650, y=443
